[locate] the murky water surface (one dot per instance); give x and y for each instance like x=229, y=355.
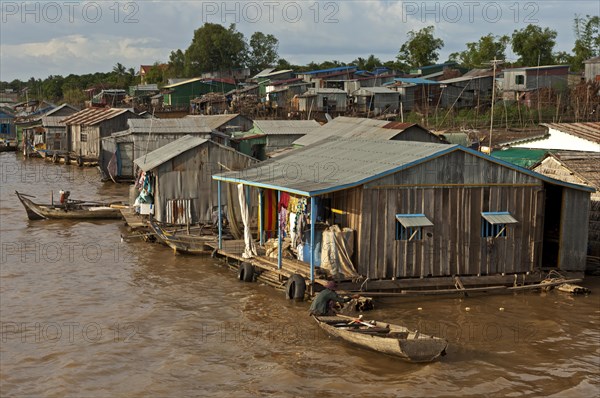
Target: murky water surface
x=84, y=314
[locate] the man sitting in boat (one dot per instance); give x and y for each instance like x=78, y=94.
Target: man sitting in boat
x=325, y=301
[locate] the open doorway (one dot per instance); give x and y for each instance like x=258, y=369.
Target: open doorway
x=552, y=220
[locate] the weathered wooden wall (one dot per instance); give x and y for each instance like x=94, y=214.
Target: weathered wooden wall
x=451, y=191
x=574, y=230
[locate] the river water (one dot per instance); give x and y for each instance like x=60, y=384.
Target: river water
x=85, y=314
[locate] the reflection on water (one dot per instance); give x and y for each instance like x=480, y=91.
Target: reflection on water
x=86, y=315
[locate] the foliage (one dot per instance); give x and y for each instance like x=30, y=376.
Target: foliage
x=480, y=53
x=587, y=42
x=215, y=48
x=370, y=63
x=263, y=51
x=421, y=48
x=534, y=45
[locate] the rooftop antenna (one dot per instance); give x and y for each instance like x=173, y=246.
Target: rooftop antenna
x=494, y=62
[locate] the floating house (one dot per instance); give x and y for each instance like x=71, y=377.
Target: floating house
x=55, y=129
x=7, y=127
x=417, y=214
x=466, y=92
x=86, y=128
x=143, y=136
x=579, y=168
x=225, y=123
x=179, y=95
x=181, y=171
x=519, y=82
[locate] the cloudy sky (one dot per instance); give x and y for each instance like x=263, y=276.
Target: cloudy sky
x=62, y=37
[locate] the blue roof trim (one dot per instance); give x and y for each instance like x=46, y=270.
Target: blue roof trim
x=336, y=69
x=261, y=185
x=528, y=172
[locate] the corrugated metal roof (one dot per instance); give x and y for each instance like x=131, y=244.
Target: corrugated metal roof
x=498, y=217
x=415, y=80
x=171, y=126
x=463, y=79
x=315, y=91
x=585, y=165
x=92, y=116
x=181, y=83
x=63, y=106
x=587, y=131
x=214, y=121
x=336, y=163
x=336, y=69
x=287, y=127
x=168, y=152
x=413, y=220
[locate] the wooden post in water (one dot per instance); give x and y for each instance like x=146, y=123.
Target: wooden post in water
x=219, y=214
x=279, y=237
x=313, y=219
x=261, y=216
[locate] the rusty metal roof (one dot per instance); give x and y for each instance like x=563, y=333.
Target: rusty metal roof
x=285, y=127
x=168, y=152
x=92, y=116
x=169, y=126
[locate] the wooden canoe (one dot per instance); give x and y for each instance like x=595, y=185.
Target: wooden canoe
x=180, y=240
x=74, y=210
x=386, y=338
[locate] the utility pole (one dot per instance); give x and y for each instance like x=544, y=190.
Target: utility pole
x=494, y=62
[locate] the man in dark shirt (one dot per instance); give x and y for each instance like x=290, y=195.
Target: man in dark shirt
x=325, y=301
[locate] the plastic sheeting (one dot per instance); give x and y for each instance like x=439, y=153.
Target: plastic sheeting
x=249, y=247
x=336, y=252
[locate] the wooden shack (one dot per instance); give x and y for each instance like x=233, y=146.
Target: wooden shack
x=327, y=100
x=376, y=100
x=425, y=210
x=86, y=128
x=579, y=168
x=183, y=190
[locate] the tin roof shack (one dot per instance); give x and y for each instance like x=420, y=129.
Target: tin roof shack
x=282, y=133
x=179, y=95
x=518, y=81
x=144, y=136
x=566, y=137
x=356, y=127
x=416, y=93
x=184, y=192
x=376, y=100
x=423, y=210
x=272, y=74
x=314, y=75
x=7, y=127
x=86, y=128
x=325, y=100
x=579, y=168
x=592, y=69
x=466, y=92
x=55, y=129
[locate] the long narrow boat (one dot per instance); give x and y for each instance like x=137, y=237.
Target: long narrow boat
x=386, y=338
x=180, y=240
x=72, y=210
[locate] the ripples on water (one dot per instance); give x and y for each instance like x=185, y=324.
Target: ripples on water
x=86, y=315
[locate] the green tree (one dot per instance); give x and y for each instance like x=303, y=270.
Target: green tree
x=176, y=64
x=215, y=48
x=534, y=45
x=587, y=42
x=119, y=69
x=157, y=74
x=263, y=51
x=421, y=48
x=478, y=53
x=370, y=63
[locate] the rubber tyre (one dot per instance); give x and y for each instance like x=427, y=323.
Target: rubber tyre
x=55, y=158
x=246, y=272
x=79, y=161
x=295, y=287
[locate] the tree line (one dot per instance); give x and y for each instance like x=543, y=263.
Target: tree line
x=218, y=48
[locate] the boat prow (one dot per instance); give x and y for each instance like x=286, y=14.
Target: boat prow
x=73, y=209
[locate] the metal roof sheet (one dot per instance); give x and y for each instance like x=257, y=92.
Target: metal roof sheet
x=413, y=220
x=92, y=116
x=171, y=126
x=53, y=121
x=375, y=90
x=334, y=164
x=168, y=152
x=287, y=127
x=214, y=121
x=415, y=80
x=498, y=217
x=181, y=83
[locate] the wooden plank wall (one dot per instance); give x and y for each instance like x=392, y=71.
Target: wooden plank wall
x=574, y=230
x=451, y=191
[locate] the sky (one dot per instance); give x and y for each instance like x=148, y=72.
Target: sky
x=43, y=38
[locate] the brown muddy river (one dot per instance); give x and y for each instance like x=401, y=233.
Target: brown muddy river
x=86, y=315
